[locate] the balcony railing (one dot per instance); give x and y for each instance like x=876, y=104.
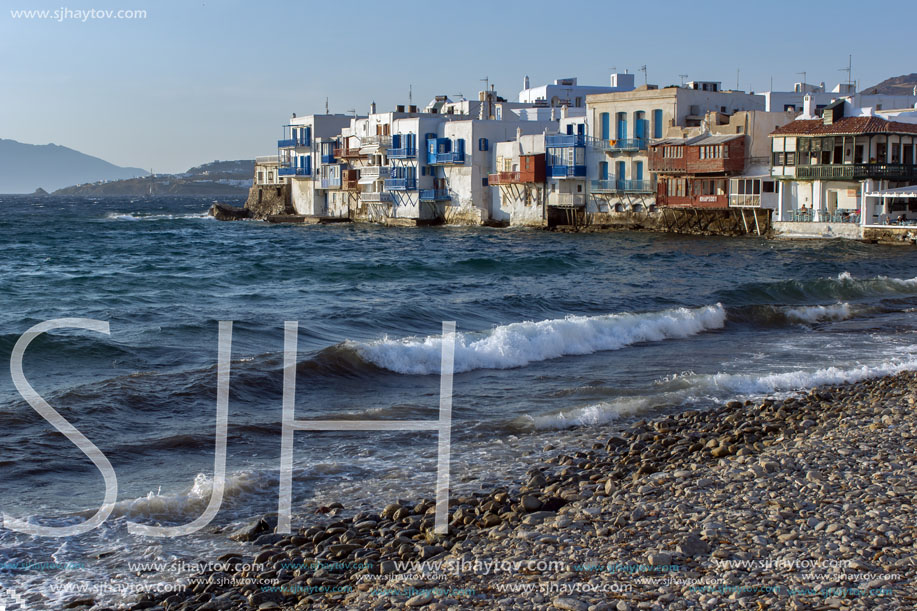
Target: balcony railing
x=401, y=184
x=564, y=140
x=604, y=186
x=376, y=196
x=375, y=172
x=350, y=184
x=566, y=200
x=566, y=171
x=289, y=142
x=402, y=153
x=375, y=141
x=635, y=186
x=624, y=144
x=294, y=172
x=345, y=153
x=267, y=159
x=821, y=216
x=333, y=182
x=434, y=195
x=446, y=158
x=504, y=178
x=882, y=171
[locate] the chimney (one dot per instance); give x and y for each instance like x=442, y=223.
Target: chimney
x=412, y=108
x=372, y=108
x=807, y=107
x=399, y=108
x=518, y=133
x=525, y=82
x=563, y=111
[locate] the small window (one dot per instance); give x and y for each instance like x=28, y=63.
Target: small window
x=482, y=144
x=484, y=181
x=791, y=158
x=768, y=186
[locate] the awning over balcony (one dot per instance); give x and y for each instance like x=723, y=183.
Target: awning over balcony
x=908, y=192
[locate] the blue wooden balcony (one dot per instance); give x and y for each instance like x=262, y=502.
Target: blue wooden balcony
x=294, y=172
x=400, y=184
x=434, y=195
x=332, y=182
x=291, y=142
x=409, y=152
x=565, y=140
x=329, y=158
x=452, y=157
x=566, y=171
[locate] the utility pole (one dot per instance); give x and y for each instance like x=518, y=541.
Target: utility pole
x=643, y=69
x=326, y=105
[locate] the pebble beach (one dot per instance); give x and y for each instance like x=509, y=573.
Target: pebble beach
x=800, y=503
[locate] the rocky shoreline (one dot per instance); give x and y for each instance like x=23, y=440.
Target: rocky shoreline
x=794, y=504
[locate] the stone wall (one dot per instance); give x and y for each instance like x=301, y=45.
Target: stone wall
x=667, y=220
x=897, y=236
x=269, y=200
x=786, y=229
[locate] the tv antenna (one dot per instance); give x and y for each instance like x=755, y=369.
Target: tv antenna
x=738, y=88
x=459, y=95
x=354, y=111
x=683, y=78
x=486, y=82
x=411, y=94
x=643, y=69
x=326, y=105
x=848, y=69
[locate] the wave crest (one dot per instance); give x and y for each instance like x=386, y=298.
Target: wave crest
x=521, y=343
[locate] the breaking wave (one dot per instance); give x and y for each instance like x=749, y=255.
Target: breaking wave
x=521, y=343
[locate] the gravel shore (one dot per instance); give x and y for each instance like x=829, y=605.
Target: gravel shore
x=804, y=503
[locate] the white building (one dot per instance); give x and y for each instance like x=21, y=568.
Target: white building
x=566, y=91
x=779, y=101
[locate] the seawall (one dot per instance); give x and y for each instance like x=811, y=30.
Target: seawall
x=693, y=221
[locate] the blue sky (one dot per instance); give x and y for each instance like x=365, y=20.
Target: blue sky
x=197, y=81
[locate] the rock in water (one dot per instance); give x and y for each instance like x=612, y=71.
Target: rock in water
x=225, y=212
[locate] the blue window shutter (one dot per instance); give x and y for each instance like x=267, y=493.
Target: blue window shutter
x=657, y=123
x=460, y=146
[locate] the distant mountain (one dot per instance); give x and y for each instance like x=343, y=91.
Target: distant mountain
x=217, y=178
x=27, y=167
x=898, y=85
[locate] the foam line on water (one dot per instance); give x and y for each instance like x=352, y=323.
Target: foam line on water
x=717, y=387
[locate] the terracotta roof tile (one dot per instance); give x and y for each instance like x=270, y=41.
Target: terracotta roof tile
x=844, y=125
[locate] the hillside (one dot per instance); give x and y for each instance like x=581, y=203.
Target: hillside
x=217, y=178
x=898, y=85
x=26, y=167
